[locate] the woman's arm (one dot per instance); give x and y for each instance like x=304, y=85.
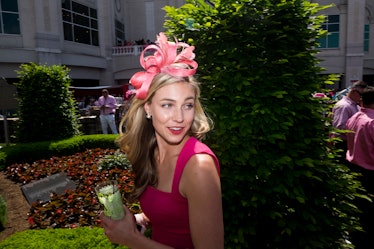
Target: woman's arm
x=200, y=184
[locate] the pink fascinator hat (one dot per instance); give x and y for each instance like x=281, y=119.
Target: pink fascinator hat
x=173, y=58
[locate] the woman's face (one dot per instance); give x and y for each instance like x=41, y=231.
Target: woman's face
x=172, y=110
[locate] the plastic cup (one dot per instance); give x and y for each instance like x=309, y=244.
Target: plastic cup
x=110, y=197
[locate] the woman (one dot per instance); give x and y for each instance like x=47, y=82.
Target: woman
x=176, y=176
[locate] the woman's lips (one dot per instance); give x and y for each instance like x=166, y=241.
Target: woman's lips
x=176, y=130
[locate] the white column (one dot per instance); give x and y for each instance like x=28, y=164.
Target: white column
x=355, y=41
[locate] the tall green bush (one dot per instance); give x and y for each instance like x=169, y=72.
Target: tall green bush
x=282, y=186
x=46, y=106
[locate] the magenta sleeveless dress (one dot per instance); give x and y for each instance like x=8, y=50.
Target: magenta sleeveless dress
x=168, y=212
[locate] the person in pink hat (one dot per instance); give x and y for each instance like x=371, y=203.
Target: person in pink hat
x=177, y=176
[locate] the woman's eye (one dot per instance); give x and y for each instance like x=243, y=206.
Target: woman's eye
x=166, y=105
x=189, y=106
x=185, y=106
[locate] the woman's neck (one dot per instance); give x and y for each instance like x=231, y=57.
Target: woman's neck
x=164, y=150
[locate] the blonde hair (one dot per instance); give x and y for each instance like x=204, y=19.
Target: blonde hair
x=138, y=140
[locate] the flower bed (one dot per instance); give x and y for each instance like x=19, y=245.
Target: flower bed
x=79, y=207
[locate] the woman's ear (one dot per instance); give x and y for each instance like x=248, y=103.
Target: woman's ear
x=147, y=108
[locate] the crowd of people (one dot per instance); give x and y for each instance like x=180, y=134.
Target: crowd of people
x=108, y=108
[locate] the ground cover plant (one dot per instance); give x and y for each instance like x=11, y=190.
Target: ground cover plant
x=79, y=207
x=82, y=237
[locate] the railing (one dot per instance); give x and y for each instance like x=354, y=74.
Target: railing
x=128, y=50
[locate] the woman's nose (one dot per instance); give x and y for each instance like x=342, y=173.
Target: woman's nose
x=178, y=115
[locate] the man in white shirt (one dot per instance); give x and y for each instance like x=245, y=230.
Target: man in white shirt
x=108, y=106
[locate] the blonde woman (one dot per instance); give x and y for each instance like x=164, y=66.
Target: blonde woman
x=176, y=176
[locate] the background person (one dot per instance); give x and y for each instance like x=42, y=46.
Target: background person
x=361, y=156
x=176, y=176
x=89, y=105
x=108, y=106
x=343, y=110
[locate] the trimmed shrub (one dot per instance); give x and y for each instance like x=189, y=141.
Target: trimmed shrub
x=30, y=152
x=47, y=109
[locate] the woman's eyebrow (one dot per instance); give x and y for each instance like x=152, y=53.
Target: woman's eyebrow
x=174, y=100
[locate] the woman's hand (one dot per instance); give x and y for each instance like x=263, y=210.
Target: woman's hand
x=121, y=232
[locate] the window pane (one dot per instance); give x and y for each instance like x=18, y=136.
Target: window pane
x=120, y=35
x=333, y=28
x=95, y=38
x=81, y=35
x=366, y=38
x=94, y=24
x=120, y=30
x=93, y=13
x=333, y=40
x=322, y=42
x=366, y=46
x=81, y=9
x=333, y=18
x=9, y=5
x=65, y=4
x=68, y=32
x=81, y=20
x=11, y=23
x=66, y=15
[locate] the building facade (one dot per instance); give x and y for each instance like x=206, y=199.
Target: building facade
x=348, y=48
x=98, y=40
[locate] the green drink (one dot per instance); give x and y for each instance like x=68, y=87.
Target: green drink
x=110, y=196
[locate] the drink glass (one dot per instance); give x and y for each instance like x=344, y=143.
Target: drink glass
x=110, y=197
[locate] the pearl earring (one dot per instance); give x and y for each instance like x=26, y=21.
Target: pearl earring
x=148, y=116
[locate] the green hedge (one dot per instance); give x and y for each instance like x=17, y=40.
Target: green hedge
x=82, y=237
x=30, y=152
